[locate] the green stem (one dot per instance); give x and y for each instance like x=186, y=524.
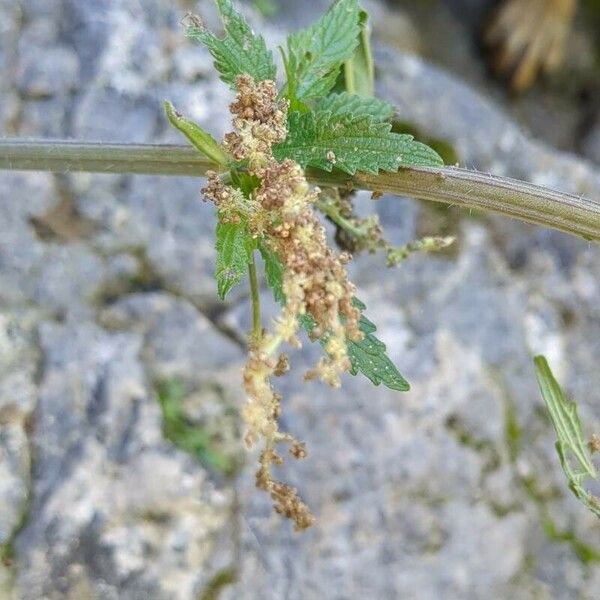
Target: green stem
x=329, y=209
x=96, y=157
x=470, y=189
x=255, y=295
x=450, y=185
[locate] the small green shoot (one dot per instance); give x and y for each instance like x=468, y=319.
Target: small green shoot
x=571, y=444
x=186, y=435
x=199, y=138
x=359, y=70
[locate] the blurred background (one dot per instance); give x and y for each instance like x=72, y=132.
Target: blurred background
x=122, y=473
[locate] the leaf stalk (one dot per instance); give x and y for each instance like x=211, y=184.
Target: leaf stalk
x=255, y=296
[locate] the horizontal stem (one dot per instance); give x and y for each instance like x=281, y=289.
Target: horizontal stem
x=450, y=185
x=97, y=157
x=470, y=189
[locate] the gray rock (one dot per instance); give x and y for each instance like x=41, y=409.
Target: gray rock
x=42, y=117
x=9, y=109
x=442, y=492
x=179, y=341
x=191, y=64
x=23, y=196
x=38, y=30
x=70, y=281
x=14, y=477
x=105, y=115
x=591, y=144
x=405, y=503
x=18, y=395
x=147, y=517
x=47, y=72
x=87, y=28
x=170, y=223
x=9, y=20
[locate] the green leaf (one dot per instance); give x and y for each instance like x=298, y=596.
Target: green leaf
x=199, y=138
x=351, y=144
x=267, y=8
x=315, y=54
x=233, y=256
x=345, y=104
x=273, y=272
x=240, y=51
x=571, y=443
x=359, y=70
x=367, y=356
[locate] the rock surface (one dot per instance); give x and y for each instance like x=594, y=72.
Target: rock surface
x=106, y=296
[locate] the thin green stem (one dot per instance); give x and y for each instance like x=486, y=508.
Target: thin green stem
x=329, y=209
x=255, y=295
x=450, y=185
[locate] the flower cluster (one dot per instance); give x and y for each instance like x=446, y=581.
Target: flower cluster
x=279, y=212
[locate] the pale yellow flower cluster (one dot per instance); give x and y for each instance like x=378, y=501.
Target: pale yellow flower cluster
x=280, y=212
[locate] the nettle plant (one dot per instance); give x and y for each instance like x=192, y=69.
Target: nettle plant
x=266, y=206
x=321, y=125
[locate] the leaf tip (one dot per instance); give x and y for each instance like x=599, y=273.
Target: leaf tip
x=170, y=111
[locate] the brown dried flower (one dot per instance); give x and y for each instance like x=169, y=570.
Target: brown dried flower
x=259, y=119
x=315, y=281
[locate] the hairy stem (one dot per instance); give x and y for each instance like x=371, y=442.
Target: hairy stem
x=255, y=295
x=454, y=186
x=95, y=157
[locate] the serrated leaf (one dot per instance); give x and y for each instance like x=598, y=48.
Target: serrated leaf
x=571, y=443
x=240, y=51
x=351, y=143
x=273, y=272
x=299, y=93
x=315, y=54
x=367, y=356
x=199, y=138
x=345, y=104
x=233, y=256
x=359, y=70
